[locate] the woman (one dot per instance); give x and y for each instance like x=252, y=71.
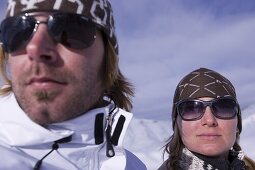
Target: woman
x=207, y=123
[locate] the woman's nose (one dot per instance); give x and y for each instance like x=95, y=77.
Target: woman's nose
x=208, y=118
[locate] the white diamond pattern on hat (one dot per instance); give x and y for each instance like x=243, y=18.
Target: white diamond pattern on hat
x=204, y=82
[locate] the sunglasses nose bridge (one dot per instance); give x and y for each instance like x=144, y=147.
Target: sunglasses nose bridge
x=208, y=104
x=40, y=22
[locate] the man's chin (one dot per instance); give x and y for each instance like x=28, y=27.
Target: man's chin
x=41, y=117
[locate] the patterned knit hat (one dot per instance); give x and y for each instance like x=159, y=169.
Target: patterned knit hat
x=100, y=11
x=204, y=83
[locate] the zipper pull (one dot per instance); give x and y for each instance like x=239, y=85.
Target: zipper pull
x=109, y=146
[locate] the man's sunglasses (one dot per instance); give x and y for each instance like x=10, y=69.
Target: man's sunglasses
x=222, y=108
x=71, y=30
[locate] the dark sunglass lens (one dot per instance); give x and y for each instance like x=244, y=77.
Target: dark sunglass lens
x=16, y=31
x=71, y=30
x=190, y=110
x=225, y=108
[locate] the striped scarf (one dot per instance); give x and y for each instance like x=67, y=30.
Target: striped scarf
x=193, y=161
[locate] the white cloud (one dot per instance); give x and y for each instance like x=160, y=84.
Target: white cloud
x=163, y=47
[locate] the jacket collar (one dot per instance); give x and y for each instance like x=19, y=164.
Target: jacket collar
x=17, y=129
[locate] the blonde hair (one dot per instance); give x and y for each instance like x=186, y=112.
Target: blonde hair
x=116, y=85
x=250, y=164
x=3, y=70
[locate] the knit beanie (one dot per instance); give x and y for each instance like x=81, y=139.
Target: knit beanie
x=203, y=83
x=99, y=11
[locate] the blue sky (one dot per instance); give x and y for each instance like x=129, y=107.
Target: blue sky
x=162, y=41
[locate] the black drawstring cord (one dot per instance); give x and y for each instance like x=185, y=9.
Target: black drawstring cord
x=109, y=146
x=54, y=146
x=39, y=163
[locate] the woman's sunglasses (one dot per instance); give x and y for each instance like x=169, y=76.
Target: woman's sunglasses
x=222, y=108
x=71, y=30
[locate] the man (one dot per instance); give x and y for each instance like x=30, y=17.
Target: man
x=63, y=105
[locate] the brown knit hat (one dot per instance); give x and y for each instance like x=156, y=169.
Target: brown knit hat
x=203, y=83
x=100, y=11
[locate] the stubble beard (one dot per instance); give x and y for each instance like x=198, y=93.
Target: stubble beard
x=44, y=96
x=45, y=107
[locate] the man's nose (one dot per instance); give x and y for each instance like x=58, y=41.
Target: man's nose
x=41, y=47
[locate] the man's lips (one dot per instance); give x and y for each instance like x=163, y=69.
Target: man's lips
x=45, y=83
x=43, y=80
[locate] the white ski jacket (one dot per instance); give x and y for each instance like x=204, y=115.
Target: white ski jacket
x=77, y=144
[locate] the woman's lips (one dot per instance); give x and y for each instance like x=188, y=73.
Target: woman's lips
x=209, y=136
